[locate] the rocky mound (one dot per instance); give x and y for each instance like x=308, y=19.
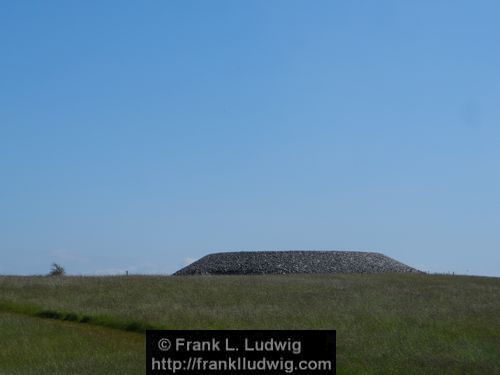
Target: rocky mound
x=281, y=262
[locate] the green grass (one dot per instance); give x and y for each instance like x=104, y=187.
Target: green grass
x=385, y=324
x=39, y=346
x=104, y=321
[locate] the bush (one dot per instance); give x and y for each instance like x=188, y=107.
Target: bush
x=50, y=314
x=57, y=270
x=71, y=317
x=85, y=319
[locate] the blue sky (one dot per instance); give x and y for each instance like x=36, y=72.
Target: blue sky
x=139, y=135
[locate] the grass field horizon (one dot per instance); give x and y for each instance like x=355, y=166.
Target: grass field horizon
x=386, y=323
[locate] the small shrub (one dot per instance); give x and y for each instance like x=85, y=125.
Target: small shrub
x=50, y=314
x=71, y=317
x=85, y=319
x=133, y=326
x=57, y=270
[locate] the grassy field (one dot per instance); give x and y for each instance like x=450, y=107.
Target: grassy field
x=386, y=324
x=31, y=345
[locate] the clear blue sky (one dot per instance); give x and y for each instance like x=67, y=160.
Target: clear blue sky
x=139, y=135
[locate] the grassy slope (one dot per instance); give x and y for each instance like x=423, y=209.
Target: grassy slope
x=396, y=323
x=41, y=346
